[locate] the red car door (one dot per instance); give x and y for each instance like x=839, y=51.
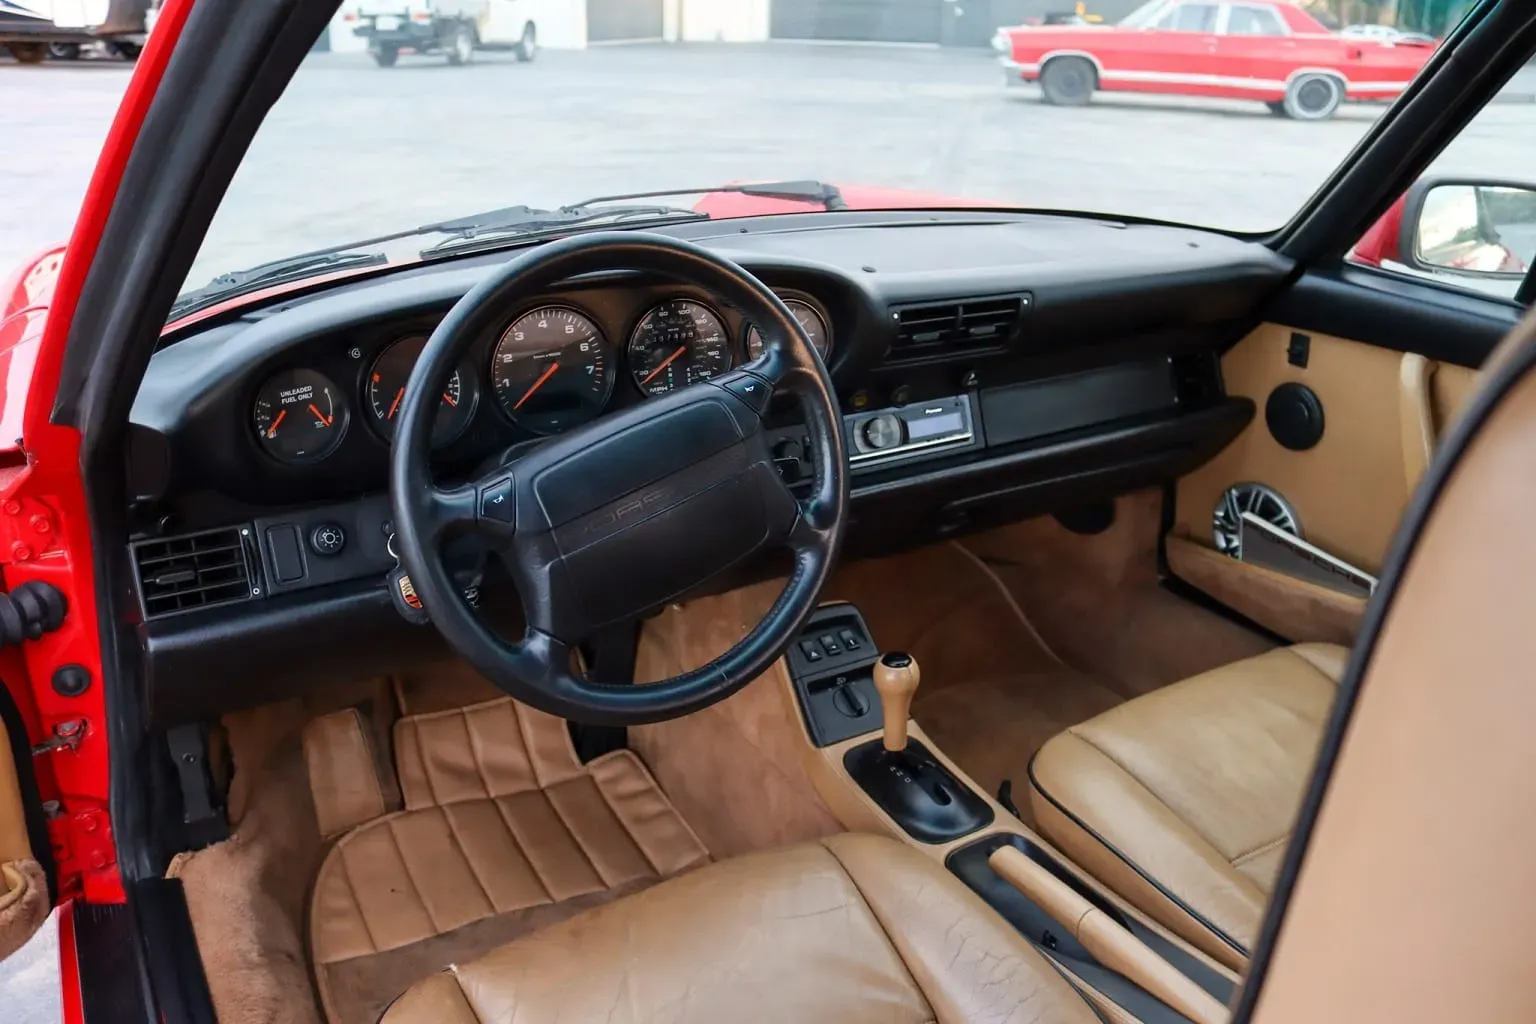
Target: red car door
x=1253, y=50
x=1173, y=56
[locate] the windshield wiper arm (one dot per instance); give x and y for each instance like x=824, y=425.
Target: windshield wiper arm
x=486, y=230
x=293, y=268
x=808, y=191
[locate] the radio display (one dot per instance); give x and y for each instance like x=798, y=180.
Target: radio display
x=935, y=426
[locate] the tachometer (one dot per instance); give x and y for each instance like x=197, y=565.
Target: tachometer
x=386, y=390
x=299, y=416
x=679, y=342
x=810, y=321
x=550, y=370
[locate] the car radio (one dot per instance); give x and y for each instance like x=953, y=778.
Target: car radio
x=888, y=435
x=880, y=437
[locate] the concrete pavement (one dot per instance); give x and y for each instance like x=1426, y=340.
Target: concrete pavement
x=352, y=149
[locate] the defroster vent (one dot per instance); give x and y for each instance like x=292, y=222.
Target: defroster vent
x=195, y=570
x=967, y=325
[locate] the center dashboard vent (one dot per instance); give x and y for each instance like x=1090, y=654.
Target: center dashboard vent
x=195, y=570
x=967, y=325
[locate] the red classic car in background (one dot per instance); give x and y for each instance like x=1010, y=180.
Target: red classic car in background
x=1246, y=49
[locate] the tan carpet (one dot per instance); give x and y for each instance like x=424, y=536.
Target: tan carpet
x=993, y=725
x=1096, y=601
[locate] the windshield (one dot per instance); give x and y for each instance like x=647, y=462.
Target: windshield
x=412, y=115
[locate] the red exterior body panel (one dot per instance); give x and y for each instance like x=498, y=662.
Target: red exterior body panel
x=44, y=529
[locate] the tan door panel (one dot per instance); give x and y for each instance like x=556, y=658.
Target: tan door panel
x=1349, y=490
x=23, y=887
x=1413, y=902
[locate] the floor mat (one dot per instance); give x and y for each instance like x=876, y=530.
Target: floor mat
x=504, y=831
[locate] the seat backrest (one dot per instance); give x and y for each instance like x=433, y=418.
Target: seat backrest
x=1408, y=892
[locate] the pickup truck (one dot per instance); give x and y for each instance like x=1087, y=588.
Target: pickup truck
x=456, y=28
x=31, y=29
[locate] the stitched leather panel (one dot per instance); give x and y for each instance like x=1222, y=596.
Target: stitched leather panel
x=854, y=928
x=481, y=836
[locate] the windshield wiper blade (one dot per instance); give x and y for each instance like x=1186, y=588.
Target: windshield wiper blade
x=294, y=268
x=521, y=222
x=808, y=190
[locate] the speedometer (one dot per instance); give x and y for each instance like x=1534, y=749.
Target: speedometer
x=678, y=342
x=551, y=370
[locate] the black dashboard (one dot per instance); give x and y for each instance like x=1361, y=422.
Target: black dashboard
x=989, y=366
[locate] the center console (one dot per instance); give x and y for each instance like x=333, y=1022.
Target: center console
x=878, y=772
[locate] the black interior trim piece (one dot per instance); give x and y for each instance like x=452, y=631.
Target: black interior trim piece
x=1485, y=401
x=970, y=864
x=170, y=952
x=31, y=799
x=1395, y=312
x=1185, y=907
x=1051, y=937
x=1199, y=430
x=1462, y=75
x=114, y=988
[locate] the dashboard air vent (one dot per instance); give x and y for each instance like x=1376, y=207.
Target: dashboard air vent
x=196, y=570
x=932, y=330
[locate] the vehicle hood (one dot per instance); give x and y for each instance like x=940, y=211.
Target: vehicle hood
x=725, y=205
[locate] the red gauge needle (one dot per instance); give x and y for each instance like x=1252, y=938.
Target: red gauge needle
x=272, y=430
x=319, y=415
x=665, y=363
x=450, y=400
x=548, y=373
x=395, y=404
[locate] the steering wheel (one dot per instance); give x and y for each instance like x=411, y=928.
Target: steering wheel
x=618, y=517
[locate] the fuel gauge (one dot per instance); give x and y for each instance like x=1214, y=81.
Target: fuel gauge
x=299, y=416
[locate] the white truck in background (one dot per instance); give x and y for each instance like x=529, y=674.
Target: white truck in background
x=456, y=28
x=34, y=30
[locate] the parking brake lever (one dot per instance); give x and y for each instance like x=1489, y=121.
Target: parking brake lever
x=1109, y=942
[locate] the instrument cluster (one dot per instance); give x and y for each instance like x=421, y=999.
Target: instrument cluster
x=551, y=368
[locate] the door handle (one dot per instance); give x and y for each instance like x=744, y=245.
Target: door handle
x=1415, y=415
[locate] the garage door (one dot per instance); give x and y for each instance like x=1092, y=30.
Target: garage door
x=883, y=21
x=611, y=21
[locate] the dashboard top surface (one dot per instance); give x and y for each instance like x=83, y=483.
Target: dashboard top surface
x=1081, y=282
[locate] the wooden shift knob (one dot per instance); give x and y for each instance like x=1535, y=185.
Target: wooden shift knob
x=896, y=677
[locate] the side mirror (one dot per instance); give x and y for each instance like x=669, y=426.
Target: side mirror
x=1482, y=230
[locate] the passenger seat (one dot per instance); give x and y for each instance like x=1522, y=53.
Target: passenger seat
x=1183, y=800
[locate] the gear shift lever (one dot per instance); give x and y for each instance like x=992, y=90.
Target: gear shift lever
x=917, y=790
x=896, y=677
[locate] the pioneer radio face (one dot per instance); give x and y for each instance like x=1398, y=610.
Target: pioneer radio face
x=888, y=435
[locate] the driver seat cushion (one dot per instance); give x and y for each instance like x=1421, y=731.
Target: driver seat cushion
x=851, y=928
x=1183, y=799
x=501, y=818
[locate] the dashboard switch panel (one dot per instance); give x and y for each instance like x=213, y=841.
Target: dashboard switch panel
x=326, y=544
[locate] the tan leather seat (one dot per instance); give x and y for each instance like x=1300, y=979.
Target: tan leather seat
x=853, y=928
x=1183, y=799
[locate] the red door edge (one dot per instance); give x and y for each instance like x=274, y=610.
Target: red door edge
x=44, y=529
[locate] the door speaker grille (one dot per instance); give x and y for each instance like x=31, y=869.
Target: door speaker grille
x=1264, y=502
